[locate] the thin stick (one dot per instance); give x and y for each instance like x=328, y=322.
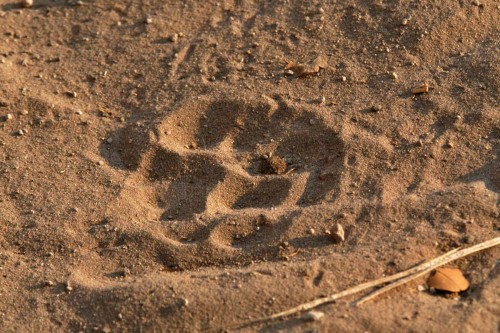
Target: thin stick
x=429, y=266
x=420, y=269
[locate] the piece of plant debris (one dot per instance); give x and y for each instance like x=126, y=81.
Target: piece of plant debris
x=273, y=165
x=448, y=279
x=424, y=88
x=305, y=69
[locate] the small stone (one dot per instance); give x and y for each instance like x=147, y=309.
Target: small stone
x=174, y=38
x=404, y=22
x=376, y=108
x=476, y=3
x=148, y=20
x=109, y=140
x=394, y=75
x=24, y=112
x=49, y=283
x=338, y=234
x=420, y=288
x=343, y=78
x=312, y=231
x=20, y=132
x=71, y=94
x=68, y=287
x=449, y=144
x=8, y=117
x=27, y=3
x=183, y=302
x=313, y=315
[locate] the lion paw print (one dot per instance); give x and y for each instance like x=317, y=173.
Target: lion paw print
x=229, y=156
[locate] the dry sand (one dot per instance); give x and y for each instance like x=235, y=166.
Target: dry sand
x=135, y=192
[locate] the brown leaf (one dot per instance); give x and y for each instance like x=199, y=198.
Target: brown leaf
x=448, y=279
x=309, y=68
x=424, y=88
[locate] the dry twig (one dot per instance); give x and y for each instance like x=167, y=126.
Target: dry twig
x=399, y=278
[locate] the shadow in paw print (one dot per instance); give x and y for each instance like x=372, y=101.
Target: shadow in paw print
x=190, y=178
x=224, y=117
x=299, y=136
x=267, y=194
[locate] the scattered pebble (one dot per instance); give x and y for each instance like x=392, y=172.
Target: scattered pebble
x=404, y=22
x=343, y=78
x=8, y=117
x=314, y=315
x=476, y=3
x=337, y=233
x=68, y=287
x=312, y=231
x=148, y=20
x=71, y=94
x=24, y=112
x=394, y=75
x=27, y=3
x=449, y=144
x=20, y=132
x=183, y=302
x=174, y=38
x=376, y=108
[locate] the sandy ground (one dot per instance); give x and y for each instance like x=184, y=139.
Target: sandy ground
x=160, y=170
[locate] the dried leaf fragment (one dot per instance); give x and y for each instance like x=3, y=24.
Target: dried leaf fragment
x=424, y=88
x=309, y=68
x=448, y=279
x=337, y=233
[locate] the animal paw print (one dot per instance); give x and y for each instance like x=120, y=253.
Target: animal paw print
x=215, y=158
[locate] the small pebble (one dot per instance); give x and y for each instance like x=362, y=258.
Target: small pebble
x=183, y=302
x=174, y=38
x=404, y=22
x=376, y=108
x=343, y=78
x=72, y=94
x=337, y=233
x=148, y=20
x=27, y=3
x=476, y=3
x=20, y=132
x=8, y=117
x=312, y=231
x=394, y=75
x=449, y=144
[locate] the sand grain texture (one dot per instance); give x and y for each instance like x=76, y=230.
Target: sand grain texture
x=135, y=199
